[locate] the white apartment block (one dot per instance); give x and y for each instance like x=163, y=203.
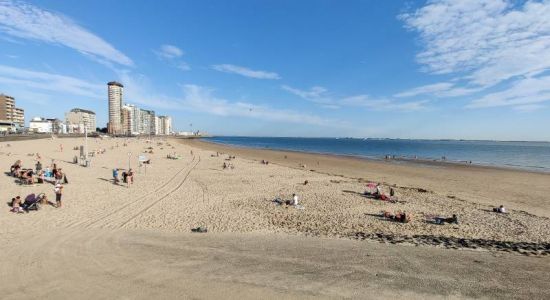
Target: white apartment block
x=78, y=119
x=114, y=92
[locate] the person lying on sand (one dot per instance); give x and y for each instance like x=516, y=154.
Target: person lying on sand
x=443, y=220
x=294, y=199
x=401, y=217
x=293, y=202
x=501, y=209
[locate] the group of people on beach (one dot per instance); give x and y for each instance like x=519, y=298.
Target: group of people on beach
x=51, y=173
x=30, y=176
x=375, y=191
x=127, y=176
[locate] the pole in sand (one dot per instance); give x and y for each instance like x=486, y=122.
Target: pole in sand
x=129, y=156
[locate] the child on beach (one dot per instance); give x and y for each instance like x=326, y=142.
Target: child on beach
x=58, y=189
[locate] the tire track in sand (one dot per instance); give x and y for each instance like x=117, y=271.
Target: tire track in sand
x=89, y=223
x=163, y=197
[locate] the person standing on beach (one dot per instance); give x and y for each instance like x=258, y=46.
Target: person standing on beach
x=61, y=147
x=115, y=175
x=129, y=178
x=58, y=189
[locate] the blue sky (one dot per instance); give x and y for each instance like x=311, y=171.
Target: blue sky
x=405, y=69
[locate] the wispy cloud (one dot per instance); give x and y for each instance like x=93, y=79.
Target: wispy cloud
x=483, y=43
x=321, y=96
x=441, y=89
x=382, y=104
x=26, y=21
x=317, y=94
x=169, y=51
x=523, y=92
x=172, y=55
x=138, y=89
x=246, y=72
x=426, y=89
x=493, y=40
x=201, y=99
x=43, y=81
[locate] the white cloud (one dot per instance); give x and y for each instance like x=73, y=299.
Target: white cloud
x=42, y=81
x=382, y=104
x=494, y=40
x=426, y=89
x=171, y=55
x=522, y=92
x=317, y=94
x=483, y=43
x=442, y=89
x=183, y=66
x=170, y=51
x=227, y=68
x=139, y=90
x=27, y=21
x=320, y=95
x=201, y=99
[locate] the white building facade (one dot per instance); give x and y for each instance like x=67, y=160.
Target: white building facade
x=114, y=93
x=79, y=119
x=40, y=125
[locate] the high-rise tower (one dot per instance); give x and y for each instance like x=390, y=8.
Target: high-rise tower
x=114, y=90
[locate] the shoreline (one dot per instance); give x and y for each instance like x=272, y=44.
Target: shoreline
x=399, y=159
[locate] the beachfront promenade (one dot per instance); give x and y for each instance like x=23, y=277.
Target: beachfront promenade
x=108, y=238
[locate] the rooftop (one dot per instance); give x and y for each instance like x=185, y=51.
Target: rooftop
x=115, y=83
x=75, y=110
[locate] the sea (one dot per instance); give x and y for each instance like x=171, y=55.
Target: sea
x=533, y=156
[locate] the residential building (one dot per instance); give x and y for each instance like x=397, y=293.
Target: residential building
x=78, y=119
x=18, y=116
x=128, y=119
x=10, y=113
x=164, y=126
x=114, y=92
x=136, y=118
x=40, y=125
x=157, y=125
x=147, y=122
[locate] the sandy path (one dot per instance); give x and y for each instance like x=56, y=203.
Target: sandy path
x=102, y=264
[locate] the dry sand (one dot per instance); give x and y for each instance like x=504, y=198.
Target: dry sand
x=109, y=241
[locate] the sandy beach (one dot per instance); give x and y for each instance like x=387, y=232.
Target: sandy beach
x=110, y=241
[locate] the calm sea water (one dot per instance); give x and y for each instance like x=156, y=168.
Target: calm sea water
x=523, y=155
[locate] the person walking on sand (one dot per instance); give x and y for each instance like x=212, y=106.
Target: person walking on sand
x=58, y=189
x=61, y=147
